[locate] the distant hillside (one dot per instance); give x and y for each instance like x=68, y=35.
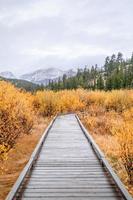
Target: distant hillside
x=7, y=74
x=44, y=76
x=26, y=85
x=38, y=77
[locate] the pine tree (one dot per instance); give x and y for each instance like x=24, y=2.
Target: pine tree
x=132, y=59
x=119, y=58
x=100, y=83
x=115, y=74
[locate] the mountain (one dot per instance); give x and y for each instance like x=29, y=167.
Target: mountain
x=7, y=74
x=38, y=77
x=43, y=76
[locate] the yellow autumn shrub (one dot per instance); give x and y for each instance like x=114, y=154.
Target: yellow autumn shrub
x=124, y=136
x=50, y=103
x=104, y=114
x=118, y=100
x=45, y=103
x=96, y=97
x=3, y=151
x=16, y=113
x=69, y=101
x=111, y=114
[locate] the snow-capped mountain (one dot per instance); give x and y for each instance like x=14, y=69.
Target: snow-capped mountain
x=7, y=74
x=43, y=76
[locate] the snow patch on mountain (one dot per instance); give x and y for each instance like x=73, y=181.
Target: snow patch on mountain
x=43, y=76
x=7, y=74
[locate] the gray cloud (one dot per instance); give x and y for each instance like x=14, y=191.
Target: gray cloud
x=62, y=33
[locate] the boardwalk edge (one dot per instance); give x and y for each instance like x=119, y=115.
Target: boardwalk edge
x=104, y=162
x=30, y=163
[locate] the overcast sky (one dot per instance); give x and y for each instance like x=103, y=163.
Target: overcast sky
x=63, y=33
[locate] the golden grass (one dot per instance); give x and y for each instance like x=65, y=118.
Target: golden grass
x=19, y=156
x=110, y=147
x=16, y=114
x=115, y=141
x=107, y=115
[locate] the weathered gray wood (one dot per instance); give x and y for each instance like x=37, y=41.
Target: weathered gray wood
x=71, y=198
x=75, y=194
x=29, y=165
x=91, y=187
x=68, y=167
x=67, y=184
x=80, y=190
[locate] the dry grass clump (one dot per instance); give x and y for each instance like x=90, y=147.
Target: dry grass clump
x=50, y=103
x=98, y=121
x=18, y=156
x=16, y=115
x=112, y=127
x=107, y=115
x=119, y=100
x=45, y=103
x=124, y=136
x=69, y=101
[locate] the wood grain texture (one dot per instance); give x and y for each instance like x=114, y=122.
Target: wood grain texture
x=68, y=168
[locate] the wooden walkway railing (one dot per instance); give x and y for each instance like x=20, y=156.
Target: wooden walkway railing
x=67, y=164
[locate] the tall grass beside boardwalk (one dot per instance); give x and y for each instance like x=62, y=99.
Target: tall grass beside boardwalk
x=16, y=115
x=107, y=115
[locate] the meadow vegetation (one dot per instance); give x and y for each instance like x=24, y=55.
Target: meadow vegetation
x=107, y=115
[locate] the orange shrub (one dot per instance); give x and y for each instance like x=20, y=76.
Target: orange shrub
x=124, y=136
x=45, y=103
x=118, y=100
x=97, y=97
x=69, y=101
x=107, y=114
x=16, y=113
x=49, y=103
x=110, y=115
x=3, y=151
x=99, y=122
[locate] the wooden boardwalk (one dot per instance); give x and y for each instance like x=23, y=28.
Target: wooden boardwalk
x=67, y=167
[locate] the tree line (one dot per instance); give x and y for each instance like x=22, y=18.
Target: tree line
x=116, y=73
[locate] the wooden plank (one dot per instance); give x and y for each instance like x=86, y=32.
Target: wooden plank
x=20, y=179
x=67, y=187
x=67, y=194
x=72, y=198
x=65, y=190
x=55, y=152
x=68, y=167
x=66, y=184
